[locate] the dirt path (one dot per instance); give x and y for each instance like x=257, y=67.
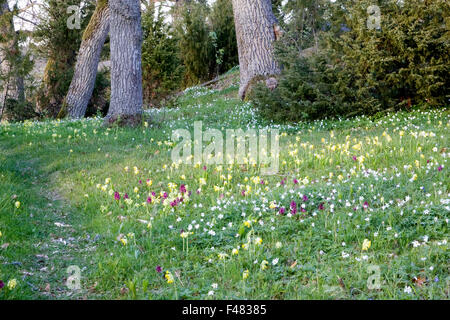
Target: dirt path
x=61, y=243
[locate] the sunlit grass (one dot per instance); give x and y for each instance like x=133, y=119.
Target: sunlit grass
x=300, y=234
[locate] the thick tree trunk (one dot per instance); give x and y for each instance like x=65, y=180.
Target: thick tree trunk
x=256, y=30
x=126, y=62
x=12, y=83
x=83, y=81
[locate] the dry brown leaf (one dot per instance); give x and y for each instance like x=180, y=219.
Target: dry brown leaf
x=420, y=281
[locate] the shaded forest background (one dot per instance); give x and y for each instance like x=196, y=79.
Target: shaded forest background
x=336, y=60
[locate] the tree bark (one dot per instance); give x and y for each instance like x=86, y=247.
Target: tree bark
x=83, y=81
x=126, y=63
x=13, y=83
x=256, y=31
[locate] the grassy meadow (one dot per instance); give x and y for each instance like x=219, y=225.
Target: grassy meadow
x=358, y=210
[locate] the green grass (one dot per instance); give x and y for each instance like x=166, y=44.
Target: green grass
x=67, y=172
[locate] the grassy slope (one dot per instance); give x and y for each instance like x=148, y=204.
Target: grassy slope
x=58, y=170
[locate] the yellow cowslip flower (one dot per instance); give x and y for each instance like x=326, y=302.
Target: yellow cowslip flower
x=169, y=277
x=248, y=223
x=1, y=233
x=258, y=241
x=126, y=169
x=245, y=275
x=340, y=177
x=149, y=183
x=222, y=256
x=183, y=177
x=235, y=252
x=17, y=204
x=264, y=265
x=357, y=147
x=417, y=163
x=256, y=180
x=273, y=205
x=202, y=181
x=12, y=284
x=107, y=180
x=366, y=244
x=136, y=189
x=184, y=235
x=136, y=170
x=245, y=246
x=124, y=241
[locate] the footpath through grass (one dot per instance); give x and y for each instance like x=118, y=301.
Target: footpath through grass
x=358, y=210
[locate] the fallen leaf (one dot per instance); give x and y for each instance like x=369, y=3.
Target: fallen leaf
x=341, y=283
x=294, y=264
x=419, y=281
x=5, y=245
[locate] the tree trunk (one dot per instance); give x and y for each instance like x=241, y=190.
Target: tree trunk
x=256, y=30
x=12, y=82
x=126, y=63
x=83, y=81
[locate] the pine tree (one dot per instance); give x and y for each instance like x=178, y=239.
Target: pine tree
x=222, y=21
x=59, y=45
x=161, y=63
x=197, y=51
